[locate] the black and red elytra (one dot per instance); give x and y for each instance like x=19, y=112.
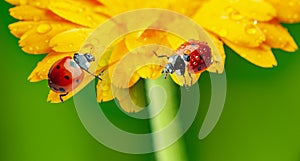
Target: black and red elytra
x=67, y=73
x=193, y=55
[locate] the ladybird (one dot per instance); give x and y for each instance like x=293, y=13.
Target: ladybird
x=192, y=56
x=67, y=73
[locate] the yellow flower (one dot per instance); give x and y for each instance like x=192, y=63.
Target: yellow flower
x=58, y=28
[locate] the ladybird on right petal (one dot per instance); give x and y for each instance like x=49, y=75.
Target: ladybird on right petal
x=192, y=56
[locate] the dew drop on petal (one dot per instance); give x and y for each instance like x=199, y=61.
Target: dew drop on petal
x=30, y=48
x=23, y=2
x=104, y=94
x=41, y=75
x=89, y=18
x=236, y=16
x=46, y=41
x=105, y=87
x=251, y=29
x=255, y=22
x=29, y=26
x=37, y=47
x=295, y=16
x=223, y=32
x=37, y=3
x=291, y=3
x=43, y=28
x=36, y=18
x=80, y=9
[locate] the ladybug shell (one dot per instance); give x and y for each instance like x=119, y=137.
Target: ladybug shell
x=64, y=75
x=200, y=59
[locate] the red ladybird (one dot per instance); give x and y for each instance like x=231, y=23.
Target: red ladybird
x=194, y=55
x=67, y=73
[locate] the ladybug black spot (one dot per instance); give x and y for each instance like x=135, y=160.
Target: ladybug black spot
x=66, y=77
x=62, y=89
x=77, y=80
x=57, y=67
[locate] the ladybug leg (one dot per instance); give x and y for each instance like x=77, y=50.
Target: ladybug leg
x=160, y=56
x=191, y=78
x=62, y=95
x=184, y=81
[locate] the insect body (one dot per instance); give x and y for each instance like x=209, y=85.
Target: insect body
x=193, y=56
x=67, y=73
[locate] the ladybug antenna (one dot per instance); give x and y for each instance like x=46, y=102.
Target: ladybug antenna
x=62, y=95
x=160, y=56
x=96, y=76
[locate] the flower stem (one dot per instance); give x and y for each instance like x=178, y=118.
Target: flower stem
x=165, y=96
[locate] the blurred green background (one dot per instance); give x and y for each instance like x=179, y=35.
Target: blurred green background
x=260, y=121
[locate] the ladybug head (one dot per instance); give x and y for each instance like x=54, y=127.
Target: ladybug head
x=186, y=57
x=89, y=57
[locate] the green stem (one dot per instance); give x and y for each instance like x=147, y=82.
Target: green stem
x=169, y=94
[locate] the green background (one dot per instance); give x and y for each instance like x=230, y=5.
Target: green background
x=260, y=121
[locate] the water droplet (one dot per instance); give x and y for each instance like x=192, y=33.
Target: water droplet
x=255, y=22
x=37, y=48
x=37, y=3
x=104, y=94
x=43, y=28
x=42, y=76
x=251, y=29
x=70, y=45
x=233, y=14
x=291, y=3
x=30, y=48
x=29, y=26
x=295, y=16
x=23, y=2
x=80, y=9
x=89, y=18
x=243, y=55
x=223, y=32
x=46, y=41
x=105, y=87
x=36, y=18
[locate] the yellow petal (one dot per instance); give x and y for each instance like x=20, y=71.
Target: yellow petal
x=252, y=9
x=36, y=40
x=104, y=91
x=261, y=56
x=118, y=6
x=185, y=7
x=20, y=27
x=150, y=71
x=146, y=37
x=278, y=36
x=69, y=41
x=214, y=18
x=217, y=66
x=146, y=64
x=36, y=3
x=287, y=11
x=132, y=99
x=32, y=13
x=40, y=72
x=121, y=73
x=186, y=80
x=80, y=12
